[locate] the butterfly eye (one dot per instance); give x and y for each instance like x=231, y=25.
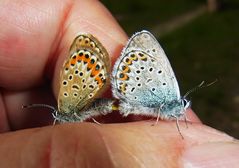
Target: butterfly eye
x=186, y=103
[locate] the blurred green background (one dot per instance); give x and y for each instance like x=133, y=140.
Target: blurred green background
x=201, y=40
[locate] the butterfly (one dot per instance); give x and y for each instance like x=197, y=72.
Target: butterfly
x=84, y=75
x=144, y=81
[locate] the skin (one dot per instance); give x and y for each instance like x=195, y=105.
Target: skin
x=35, y=36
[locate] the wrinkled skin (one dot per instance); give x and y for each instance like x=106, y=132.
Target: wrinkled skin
x=34, y=39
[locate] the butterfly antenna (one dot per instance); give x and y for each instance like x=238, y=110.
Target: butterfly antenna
x=200, y=86
x=39, y=105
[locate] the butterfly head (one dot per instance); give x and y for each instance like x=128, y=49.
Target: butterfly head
x=186, y=103
x=175, y=109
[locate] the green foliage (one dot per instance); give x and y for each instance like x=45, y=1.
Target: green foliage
x=140, y=14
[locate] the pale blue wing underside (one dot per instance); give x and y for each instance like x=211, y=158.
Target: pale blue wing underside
x=151, y=81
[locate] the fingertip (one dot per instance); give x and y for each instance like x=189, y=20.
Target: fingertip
x=219, y=154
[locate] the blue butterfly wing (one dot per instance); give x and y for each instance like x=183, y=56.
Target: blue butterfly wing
x=142, y=76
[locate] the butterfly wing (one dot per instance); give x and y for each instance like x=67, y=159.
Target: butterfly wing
x=143, y=75
x=84, y=74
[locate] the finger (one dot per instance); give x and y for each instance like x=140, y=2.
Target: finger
x=191, y=116
x=35, y=33
x=162, y=146
x=124, y=145
x=27, y=37
x=28, y=34
x=20, y=118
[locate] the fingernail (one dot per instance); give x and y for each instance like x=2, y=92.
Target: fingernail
x=220, y=154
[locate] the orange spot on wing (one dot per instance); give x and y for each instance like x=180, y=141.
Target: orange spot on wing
x=124, y=77
x=143, y=57
x=126, y=69
x=66, y=65
x=91, y=66
x=123, y=87
x=100, y=82
x=87, y=60
x=94, y=72
x=128, y=61
x=73, y=61
x=79, y=58
x=133, y=57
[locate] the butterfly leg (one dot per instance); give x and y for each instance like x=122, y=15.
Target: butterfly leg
x=78, y=117
x=95, y=121
x=177, y=124
x=158, y=116
x=54, y=122
x=185, y=120
x=54, y=114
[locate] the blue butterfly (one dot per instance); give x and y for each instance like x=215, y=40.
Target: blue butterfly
x=144, y=82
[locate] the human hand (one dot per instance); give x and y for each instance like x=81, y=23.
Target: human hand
x=34, y=40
